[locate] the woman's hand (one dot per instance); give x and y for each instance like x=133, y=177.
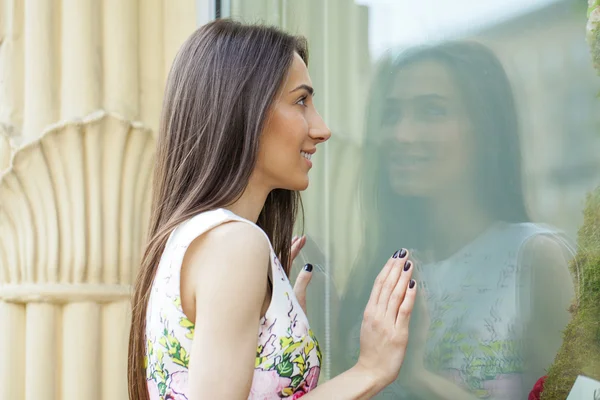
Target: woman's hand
x=384, y=330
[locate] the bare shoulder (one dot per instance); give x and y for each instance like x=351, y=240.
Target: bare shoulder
x=230, y=258
x=226, y=248
x=547, y=259
x=230, y=241
x=231, y=236
x=542, y=249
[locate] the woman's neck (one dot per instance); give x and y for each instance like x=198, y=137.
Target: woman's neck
x=251, y=202
x=453, y=221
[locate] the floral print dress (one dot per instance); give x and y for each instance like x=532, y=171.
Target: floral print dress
x=288, y=357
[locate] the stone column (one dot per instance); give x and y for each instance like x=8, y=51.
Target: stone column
x=80, y=92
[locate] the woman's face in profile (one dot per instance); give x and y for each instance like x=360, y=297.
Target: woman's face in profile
x=425, y=131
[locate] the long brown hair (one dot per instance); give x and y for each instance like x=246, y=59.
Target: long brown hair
x=222, y=83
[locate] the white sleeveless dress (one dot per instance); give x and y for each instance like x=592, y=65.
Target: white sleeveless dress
x=477, y=315
x=288, y=358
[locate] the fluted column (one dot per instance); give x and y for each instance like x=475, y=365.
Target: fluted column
x=121, y=57
x=41, y=99
x=12, y=348
x=81, y=85
x=5, y=150
x=179, y=20
x=81, y=81
x=11, y=64
x=75, y=310
x=151, y=61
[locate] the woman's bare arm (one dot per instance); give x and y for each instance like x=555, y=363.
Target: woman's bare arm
x=545, y=302
x=229, y=267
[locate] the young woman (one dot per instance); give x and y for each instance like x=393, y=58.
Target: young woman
x=442, y=156
x=214, y=314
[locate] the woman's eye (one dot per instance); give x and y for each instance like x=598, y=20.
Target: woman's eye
x=302, y=101
x=434, y=111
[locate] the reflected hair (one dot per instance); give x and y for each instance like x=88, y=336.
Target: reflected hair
x=222, y=83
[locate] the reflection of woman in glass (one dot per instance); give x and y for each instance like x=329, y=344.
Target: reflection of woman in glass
x=443, y=157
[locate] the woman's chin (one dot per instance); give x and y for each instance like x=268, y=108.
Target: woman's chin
x=416, y=189
x=297, y=185
x=302, y=186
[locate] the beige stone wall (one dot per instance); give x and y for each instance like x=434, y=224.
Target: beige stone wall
x=81, y=86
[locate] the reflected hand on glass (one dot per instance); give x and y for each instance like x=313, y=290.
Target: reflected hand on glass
x=421, y=323
x=298, y=243
x=418, y=379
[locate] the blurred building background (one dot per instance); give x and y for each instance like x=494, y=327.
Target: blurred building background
x=80, y=95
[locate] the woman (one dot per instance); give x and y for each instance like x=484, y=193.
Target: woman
x=214, y=315
x=443, y=158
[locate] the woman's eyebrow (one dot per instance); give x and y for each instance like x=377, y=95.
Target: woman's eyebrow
x=428, y=96
x=309, y=89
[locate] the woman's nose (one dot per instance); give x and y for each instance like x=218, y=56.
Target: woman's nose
x=319, y=130
x=406, y=131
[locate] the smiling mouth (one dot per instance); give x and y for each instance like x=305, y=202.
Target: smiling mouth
x=306, y=155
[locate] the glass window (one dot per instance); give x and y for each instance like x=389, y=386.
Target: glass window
x=468, y=133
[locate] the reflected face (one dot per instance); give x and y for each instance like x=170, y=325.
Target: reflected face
x=426, y=131
x=292, y=132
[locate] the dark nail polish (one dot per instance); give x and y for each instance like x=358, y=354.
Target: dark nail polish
x=412, y=283
x=403, y=253
x=395, y=255
x=407, y=265
x=308, y=267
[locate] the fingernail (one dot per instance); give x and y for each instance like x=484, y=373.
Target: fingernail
x=308, y=267
x=395, y=255
x=294, y=238
x=403, y=253
x=407, y=265
x=412, y=283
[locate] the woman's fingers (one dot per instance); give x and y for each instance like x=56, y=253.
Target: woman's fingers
x=397, y=296
x=384, y=331
x=408, y=303
x=380, y=281
x=301, y=285
x=391, y=281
